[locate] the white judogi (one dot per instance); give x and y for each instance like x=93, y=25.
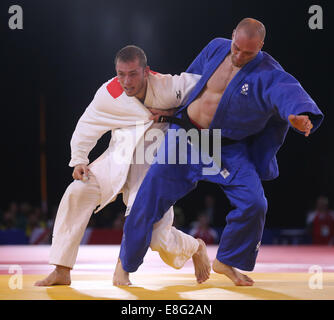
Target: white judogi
x=114, y=171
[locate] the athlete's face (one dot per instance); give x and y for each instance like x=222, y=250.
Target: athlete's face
x=132, y=77
x=244, y=49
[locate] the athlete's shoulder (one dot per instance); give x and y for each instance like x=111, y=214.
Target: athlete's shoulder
x=156, y=74
x=271, y=70
x=268, y=69
x=215, y=45
x=160, y=82
x=219, y=42
x=108, y=92
x=155, y=77
x=166, y=80
x=270, y=63
x=113, y=87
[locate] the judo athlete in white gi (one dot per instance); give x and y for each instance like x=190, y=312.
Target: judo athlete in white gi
x=252, y=101
x=121, y=105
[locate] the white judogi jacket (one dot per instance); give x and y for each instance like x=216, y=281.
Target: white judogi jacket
x=128, y=118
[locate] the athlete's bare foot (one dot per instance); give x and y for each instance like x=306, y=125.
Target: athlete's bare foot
x=121, y=277
x=201, y=263
x=238, y=278
x=59, y=276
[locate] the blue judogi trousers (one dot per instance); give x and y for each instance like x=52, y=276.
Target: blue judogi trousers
x=165, y=184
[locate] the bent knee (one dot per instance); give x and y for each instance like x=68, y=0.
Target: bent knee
x=259, y=206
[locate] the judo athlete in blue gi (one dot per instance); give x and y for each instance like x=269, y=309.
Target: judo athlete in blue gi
x=246, y=94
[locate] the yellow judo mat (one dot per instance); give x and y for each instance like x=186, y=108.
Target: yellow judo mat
x=269, y=286
x=281, y=273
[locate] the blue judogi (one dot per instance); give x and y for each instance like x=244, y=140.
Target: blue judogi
x=253, y=110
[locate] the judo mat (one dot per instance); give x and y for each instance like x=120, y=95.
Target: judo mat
x=281, y=273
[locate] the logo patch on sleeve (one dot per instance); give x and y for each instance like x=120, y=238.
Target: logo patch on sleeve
x=114, y=88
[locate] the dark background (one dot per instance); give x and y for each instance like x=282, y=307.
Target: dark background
x=66, y=51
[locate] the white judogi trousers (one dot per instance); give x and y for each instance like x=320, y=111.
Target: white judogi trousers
x=75, y=209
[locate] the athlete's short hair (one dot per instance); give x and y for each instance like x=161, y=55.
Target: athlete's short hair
x=131, y=53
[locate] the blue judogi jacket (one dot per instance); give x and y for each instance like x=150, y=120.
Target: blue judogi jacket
x=256, y=103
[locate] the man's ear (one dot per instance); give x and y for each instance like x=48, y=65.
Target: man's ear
x=147, y=71
x=233, y=34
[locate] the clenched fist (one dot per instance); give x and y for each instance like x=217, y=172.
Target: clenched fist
x=302, y=123
x=156, y=113
x=80, y=172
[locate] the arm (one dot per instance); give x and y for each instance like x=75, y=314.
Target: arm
x=172, y=92
x=177, y=89
x=156, y=113
x=94, y=122
x=292, y=103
